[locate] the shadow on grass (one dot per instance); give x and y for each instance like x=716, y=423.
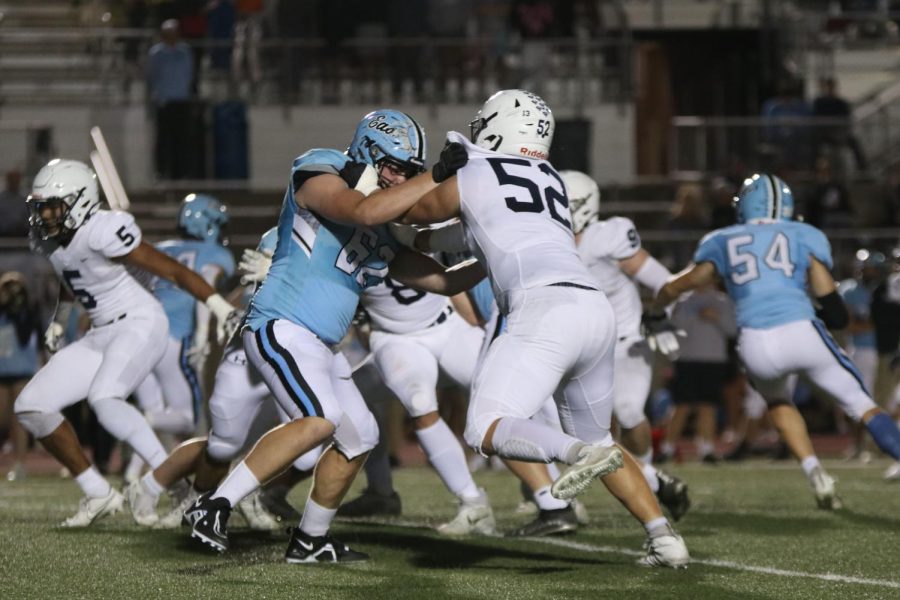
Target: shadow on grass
x=881, y=523
x=756, y=524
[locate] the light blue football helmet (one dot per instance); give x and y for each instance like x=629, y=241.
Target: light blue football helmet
x=202, y=217
x=764, y=197
x=389, y=136
x=268, y=241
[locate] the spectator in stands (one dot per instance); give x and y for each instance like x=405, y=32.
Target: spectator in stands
x=170, y=72
x=688, y=214
x=13, y=211
x=885, y=315
x=722, y=193
x=19, y=330
x=837, y=135
x=786, y=131
x=537, y=22
x=708, y=318
x=220, y=21
x=248, y=35
x=828, y=202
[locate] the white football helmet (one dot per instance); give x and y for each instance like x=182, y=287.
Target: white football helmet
x=70, y=182
x=584, y=199
x=514, y=122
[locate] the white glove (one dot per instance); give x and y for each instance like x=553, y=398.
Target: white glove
x=404, y=234
x=228, y=318
x=661, y=334
x=196, y=355
x=368, y=181
x=254, y=265
x=53, y=337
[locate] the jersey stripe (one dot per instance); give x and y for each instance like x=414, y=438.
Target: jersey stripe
x=191, y=376
x=288, y=373
x=839, y=354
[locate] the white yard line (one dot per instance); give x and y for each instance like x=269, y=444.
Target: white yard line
x=725, y=564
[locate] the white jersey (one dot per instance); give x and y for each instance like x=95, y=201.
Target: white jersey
x=602, y=246
x=516, y=214
x=396, y=308
x=104, y=287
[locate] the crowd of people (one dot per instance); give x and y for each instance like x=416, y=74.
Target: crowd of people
x=550, y=336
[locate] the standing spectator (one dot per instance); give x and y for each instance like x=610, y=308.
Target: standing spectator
x=220, y=21
x=828, y=203
x=840, y=133
x=707, y=316
x=13, y=210
x=248, y=35
x=19, y=330
x=787, y=131
x=170, y=71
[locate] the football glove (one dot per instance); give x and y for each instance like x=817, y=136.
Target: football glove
x=254, y=265
x=228, y=318
x=453, y=158
x=662, y=335
x=53, y=337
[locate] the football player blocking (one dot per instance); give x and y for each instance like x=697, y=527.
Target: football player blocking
x=306, y=305
x=766, y=261
x=560, y=335
x=89, y=249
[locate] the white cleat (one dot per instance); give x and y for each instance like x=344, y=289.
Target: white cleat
x=666, y=551
x=90, y=509
x=255, y=514
x=142, y=503
x=892, y=473
x=173, y=518
x=474, y=517
x=527, y=507
x=823, y=489
x=593, y=462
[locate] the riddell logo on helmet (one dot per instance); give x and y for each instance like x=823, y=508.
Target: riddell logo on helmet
x=532, y=153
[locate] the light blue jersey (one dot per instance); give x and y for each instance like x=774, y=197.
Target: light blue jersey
x=859, y=302
x=178, y=304
x=764, y=267
x=320, y=267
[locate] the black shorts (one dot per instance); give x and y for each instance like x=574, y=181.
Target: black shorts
x=699, y=382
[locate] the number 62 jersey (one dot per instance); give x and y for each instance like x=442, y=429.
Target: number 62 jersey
x=86, y=264
x=764, y=267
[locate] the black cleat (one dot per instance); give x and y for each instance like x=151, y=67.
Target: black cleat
x=274, y=500
x=673, y=494
x=370, y=504
x=304, y=548
x=549, y=522
x=740, y=452
x=209, y=520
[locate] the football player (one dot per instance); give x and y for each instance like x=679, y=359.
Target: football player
x=90, y=249
x=560, y=334
x=767, y=262
x=331, y=246
x=170, y=397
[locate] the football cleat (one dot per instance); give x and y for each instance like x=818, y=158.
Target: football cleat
x=823, y=488
x=474, y=517
x=306, y=549
x=673, y=494
x=275, y=501
x=892, y=473
x=142, y=504
x=209, y=521
x=371, y=504
x=176, y=517
x=666, y=550
x=549, y=522
x=255, y=514
x=90, y=509
x=593, y=462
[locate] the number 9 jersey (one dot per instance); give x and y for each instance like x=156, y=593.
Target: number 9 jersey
x=516, y=214
x=103, y=286
x=764, y=267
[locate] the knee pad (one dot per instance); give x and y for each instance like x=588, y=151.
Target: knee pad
x=221, y=450
x=40, y=424
x=118, y=417
x=421, y=403
x=356, y=437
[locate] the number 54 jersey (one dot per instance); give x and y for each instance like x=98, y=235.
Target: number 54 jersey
x=516, y=214
x=103, y=286
x=764, y=267
x=320, y=267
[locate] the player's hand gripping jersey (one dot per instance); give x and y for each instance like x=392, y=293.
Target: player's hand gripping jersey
x=104, y=287
x=764, y=267
x=517, y=215
x=320, y=267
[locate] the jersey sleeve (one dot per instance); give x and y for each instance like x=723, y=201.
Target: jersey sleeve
x=118, y=236
x=818, y=245
x=710, y=250
x=616, y=238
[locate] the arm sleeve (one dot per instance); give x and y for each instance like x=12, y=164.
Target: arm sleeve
x=652, y=275
x=118, y=236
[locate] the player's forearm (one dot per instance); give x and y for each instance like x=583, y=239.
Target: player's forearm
x=453, y=280
x=389, y=204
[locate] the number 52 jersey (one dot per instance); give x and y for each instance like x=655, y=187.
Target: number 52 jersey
x=764, y=267
x=103, y=286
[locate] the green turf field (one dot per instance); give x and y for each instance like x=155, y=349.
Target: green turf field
x=754, y=532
